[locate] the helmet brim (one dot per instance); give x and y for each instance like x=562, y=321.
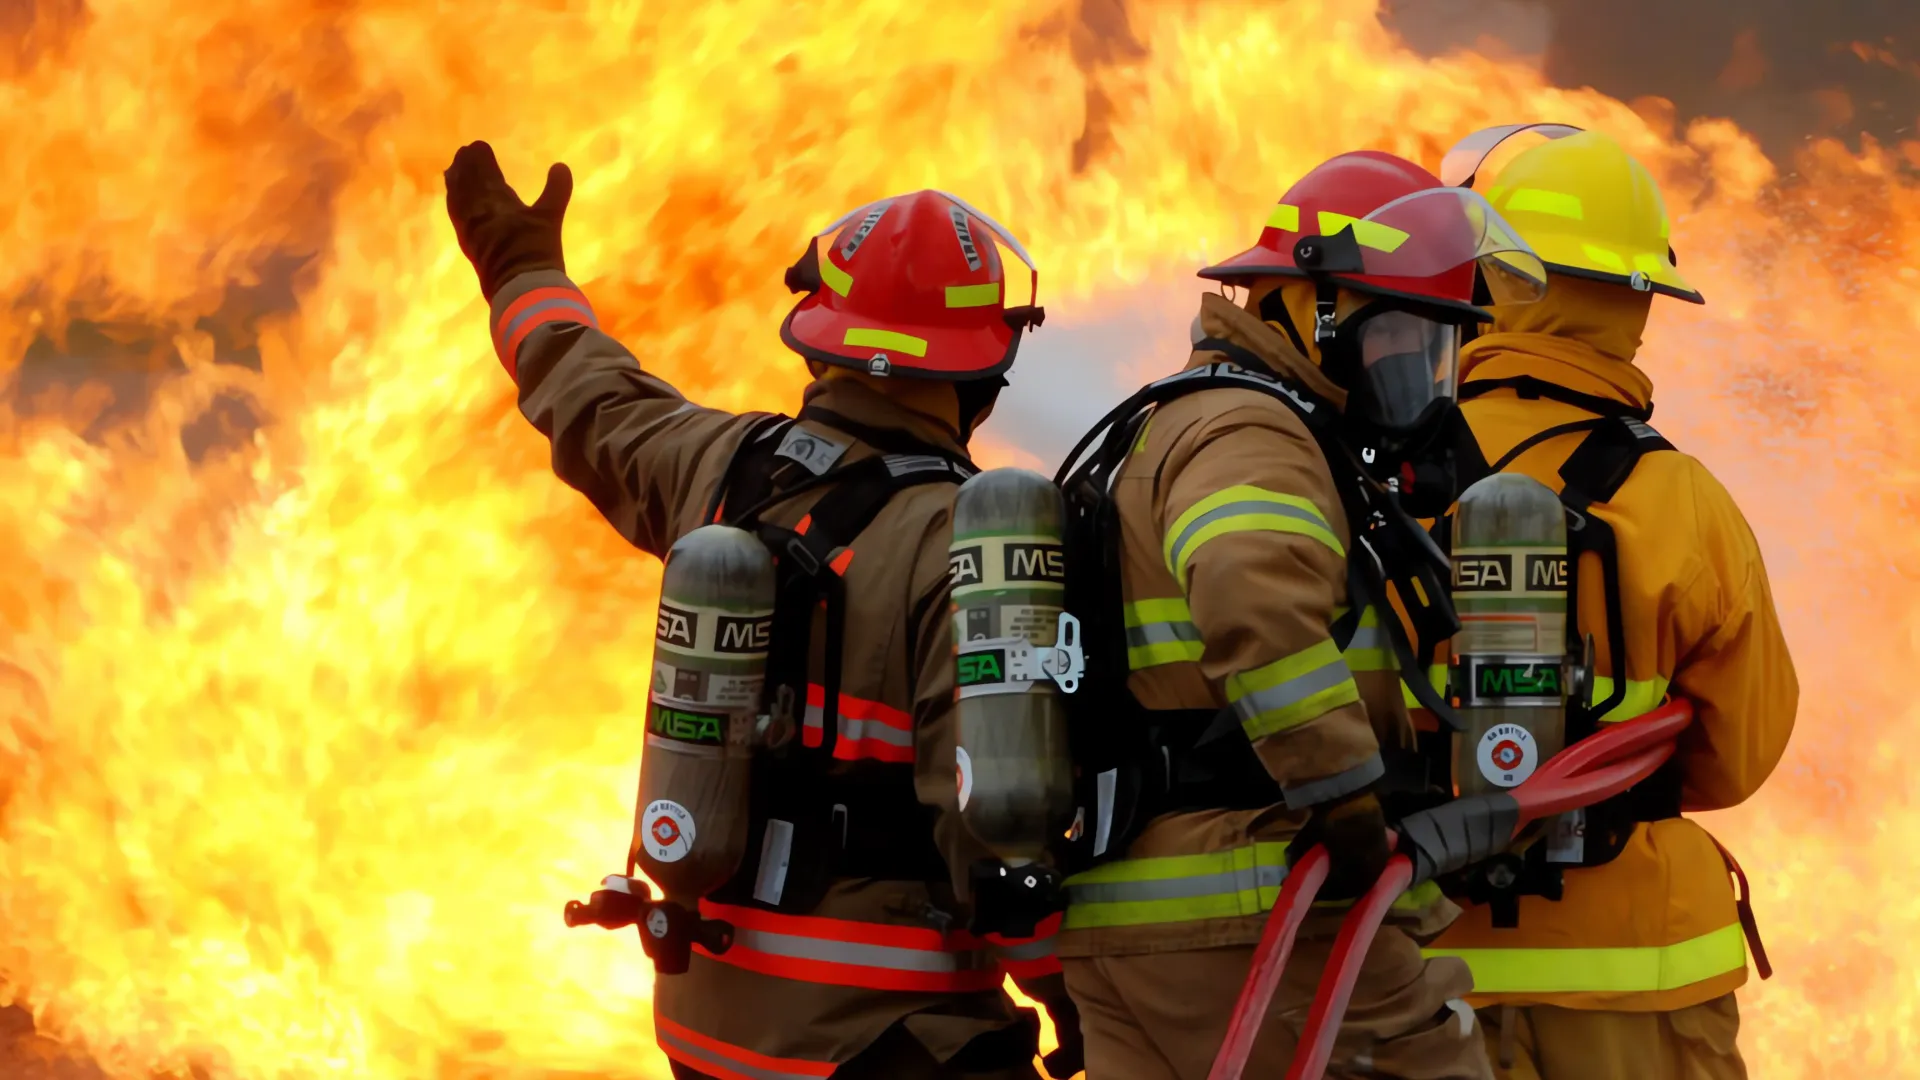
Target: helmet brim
x=944, y=353
x=1675, y=286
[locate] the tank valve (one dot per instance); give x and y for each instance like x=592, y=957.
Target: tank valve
x=668, y=931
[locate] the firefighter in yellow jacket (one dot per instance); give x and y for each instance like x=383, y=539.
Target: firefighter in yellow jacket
x=849, y=955
x=1630, y=974
x=1239, y=491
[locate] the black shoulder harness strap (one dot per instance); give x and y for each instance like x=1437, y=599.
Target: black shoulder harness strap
x=811, y=558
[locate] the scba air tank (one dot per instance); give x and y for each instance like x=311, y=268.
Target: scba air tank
x=1017, y=651
x=1511, y=668
x=709, y=666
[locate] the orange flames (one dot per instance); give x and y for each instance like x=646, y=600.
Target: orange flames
x=304, y=739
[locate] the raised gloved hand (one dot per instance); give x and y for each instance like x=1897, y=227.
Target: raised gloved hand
x=501, y=236
x=1354, y=832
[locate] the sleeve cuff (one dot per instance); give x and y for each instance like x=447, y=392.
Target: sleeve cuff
x=529, y=302
x=1328, y=788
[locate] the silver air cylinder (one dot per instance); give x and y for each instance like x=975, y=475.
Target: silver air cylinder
x=1017, y=650
x=709, y=666
x=1510, y=665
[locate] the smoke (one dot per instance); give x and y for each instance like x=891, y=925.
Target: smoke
x=1785, y=70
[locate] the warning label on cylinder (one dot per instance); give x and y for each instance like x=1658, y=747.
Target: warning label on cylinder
x=668, y=832
x=1507, y=755
x=715, y=691
x=1036, y=623
x=963, y=774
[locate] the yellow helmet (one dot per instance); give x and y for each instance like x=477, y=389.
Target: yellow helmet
x=1583, y=203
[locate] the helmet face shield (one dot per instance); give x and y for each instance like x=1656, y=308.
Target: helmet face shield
x=1428, y=233
x=1406, y=363
x=1463, y=162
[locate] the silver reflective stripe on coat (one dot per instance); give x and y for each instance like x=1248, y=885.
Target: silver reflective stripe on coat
x=1223, y=883
x=1329, y=788
x=1293, y=691
x=853, y=729
x=859, y=954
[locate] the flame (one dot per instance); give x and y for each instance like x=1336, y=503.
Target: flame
x=306, y=731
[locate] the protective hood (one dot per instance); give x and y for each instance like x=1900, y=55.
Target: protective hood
x=1583, y=336
x=1223, y=320
x=1606, y=318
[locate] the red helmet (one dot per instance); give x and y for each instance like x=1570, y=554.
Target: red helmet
x=911, y=285
x=1419, y=239
x=1384, y=227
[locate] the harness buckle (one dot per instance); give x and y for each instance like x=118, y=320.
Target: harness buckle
x=1066, y=662
x=807, y=561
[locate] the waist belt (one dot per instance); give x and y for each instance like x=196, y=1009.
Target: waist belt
x=842, y=952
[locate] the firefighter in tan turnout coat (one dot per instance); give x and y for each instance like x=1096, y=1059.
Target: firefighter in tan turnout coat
x=859, y=965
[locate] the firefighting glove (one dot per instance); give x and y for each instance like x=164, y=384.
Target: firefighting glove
x=500, y=235
x=1354, y=832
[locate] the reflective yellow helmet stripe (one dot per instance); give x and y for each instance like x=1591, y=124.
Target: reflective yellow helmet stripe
x=837, y=279
x=968, y=296
x=1367, y=233
x=886, y=339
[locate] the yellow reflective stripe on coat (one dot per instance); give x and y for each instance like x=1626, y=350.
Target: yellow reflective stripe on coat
x=1227, y=884
x=1243, y=508
x=1292, y=690
x=1643, y=696
x=1371, y=649
x=1436, y=678
x=1620, y=971
x=1161, y=632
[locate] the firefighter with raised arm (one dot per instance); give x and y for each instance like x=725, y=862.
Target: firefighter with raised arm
x=1255, y=510
x=1614, y=953
x=797, y=797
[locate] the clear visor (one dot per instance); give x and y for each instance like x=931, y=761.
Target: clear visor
x=1429, y=232
x=1463, y=162
x=1407, y=364
x=999, y=231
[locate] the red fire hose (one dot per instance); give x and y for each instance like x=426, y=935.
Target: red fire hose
x=1447, y=838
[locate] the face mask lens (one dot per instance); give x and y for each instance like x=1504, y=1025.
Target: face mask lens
x=1406, y=364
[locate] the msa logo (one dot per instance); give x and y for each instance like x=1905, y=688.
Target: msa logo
x=1036, y=562
x=986, y=666
x=1546, y=573
x=1495, y=681
x=738, y=635
x=683, y=726
x=1482, y=573
x=677, y=627
x=964, y=564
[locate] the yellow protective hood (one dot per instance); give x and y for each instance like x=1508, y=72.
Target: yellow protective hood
x=1582, y=335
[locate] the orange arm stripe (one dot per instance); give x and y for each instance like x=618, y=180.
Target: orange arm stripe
x=534, y=310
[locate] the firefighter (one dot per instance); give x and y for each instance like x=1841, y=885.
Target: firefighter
x=1239, y=506
x=1632, y=971
x=848, y=955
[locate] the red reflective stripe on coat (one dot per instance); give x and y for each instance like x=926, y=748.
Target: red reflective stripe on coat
x=842, y=952
x=554, y=303
x=869, y=731
x=1030, y=957
x=728, y=1062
